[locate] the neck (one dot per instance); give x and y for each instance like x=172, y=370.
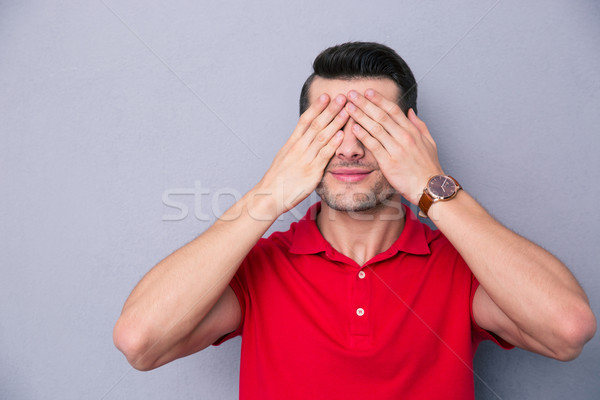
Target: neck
x=362, y=235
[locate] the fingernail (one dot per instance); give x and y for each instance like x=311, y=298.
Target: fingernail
x=340, y=99
x=353, y=95
x=323, y=97
x=370, y=93
x=343, y=113
x=351, y=107
x=356, y=128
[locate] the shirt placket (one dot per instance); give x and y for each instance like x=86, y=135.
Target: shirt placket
x=360, y=307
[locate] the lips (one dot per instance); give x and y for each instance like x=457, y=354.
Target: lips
x=350, y=174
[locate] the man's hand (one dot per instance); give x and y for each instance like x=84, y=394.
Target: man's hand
x=298, y=167
x=403, y=146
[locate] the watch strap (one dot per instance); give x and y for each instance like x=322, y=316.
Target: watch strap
x=425, y=203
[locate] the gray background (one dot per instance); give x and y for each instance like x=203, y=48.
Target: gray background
x=106, y=107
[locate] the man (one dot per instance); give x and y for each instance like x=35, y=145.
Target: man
x=358, y=299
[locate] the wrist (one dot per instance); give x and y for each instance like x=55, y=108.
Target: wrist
x=261, y=204
x=439, y=188
x=440, y=209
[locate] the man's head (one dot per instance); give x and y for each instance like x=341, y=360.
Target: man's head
x=355, y=60
x=357, y=66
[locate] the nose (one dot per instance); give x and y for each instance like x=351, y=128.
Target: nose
x=351, y=148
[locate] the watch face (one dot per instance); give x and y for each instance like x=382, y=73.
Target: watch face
x=441, y=187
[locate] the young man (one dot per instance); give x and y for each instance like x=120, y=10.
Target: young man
x=358, y=299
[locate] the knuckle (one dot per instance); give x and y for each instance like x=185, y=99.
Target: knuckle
x=382, y=116
x=377, y=130
x=305, y=119
x=410, y=140
x=322, y=136
x=316, y=125
x=369, y=142
x=395, y=110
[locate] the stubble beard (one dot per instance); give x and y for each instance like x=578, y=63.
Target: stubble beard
x=349, y=200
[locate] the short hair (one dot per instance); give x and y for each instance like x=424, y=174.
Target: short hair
x=354, y=60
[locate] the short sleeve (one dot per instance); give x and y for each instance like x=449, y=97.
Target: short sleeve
x=478, y=333
x=238, y=285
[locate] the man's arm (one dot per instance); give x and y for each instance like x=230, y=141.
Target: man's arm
x=175, y=297
x=183, y=304
x=527, y=296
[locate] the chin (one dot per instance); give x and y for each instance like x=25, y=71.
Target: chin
x=349, y=200
x=346, y=205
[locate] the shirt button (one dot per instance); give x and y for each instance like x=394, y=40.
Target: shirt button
x=361, y=274
x=360, y=312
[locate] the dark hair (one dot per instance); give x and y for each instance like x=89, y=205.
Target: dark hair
x=364, y=60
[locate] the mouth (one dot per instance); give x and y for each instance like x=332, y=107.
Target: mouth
x=350, y=175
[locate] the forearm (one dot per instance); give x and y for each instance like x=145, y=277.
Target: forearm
x=172, y=299
x=531, y=286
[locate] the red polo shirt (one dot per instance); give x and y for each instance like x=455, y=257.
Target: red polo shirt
x=316, y=325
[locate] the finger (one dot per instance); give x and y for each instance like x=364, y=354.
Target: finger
x=390, y=107
x=375, y=129
x=309, y=116
x=323, y=119
x=323, y=137
x=326, y=152
x=372, y=144
x=412, y=116
x=375, y=112
x=409, y=130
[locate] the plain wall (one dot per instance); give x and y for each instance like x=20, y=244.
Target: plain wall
x=107, y=106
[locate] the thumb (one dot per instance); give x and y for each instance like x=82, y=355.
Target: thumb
x=412, y=116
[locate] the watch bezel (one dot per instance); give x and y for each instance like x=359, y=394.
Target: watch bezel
x=435, y=196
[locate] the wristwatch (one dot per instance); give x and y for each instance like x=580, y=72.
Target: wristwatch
x=439, y=188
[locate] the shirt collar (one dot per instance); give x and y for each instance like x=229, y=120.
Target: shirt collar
x=309, y=240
